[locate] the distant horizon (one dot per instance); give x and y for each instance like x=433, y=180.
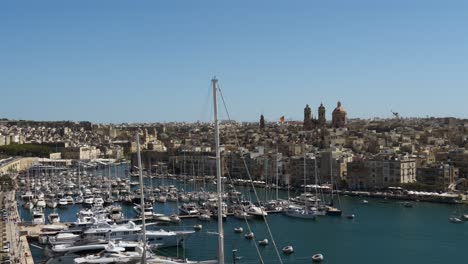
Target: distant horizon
x=225, y=120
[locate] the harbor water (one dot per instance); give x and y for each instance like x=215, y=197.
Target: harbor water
x=383, y=231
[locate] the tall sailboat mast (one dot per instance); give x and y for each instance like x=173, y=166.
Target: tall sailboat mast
x=142, y=199
x=218, y=176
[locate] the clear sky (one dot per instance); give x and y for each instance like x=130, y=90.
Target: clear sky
x=120, y=61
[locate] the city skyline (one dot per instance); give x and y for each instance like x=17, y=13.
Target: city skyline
x=116, y=62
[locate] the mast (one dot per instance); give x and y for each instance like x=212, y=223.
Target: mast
x=331, y=175
x=305, y=188
x=316, y=178
x=142, y=200
x=218, y=175
x=277, y=180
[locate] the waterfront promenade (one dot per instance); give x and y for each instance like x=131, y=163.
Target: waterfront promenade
x=18, y=250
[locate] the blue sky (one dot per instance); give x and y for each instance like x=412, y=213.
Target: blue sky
x=120, y=61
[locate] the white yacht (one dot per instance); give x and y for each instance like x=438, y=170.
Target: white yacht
x=63, y=238
x=117, y=254
x=81, y=249
x=38, y=217
x=112, y=254
x=132, y=232
x=305, y=198
x=300, y=212
x=51, y=203
x=188, y=209
x=148, y=211
x=98, y=201
x=69, y=200
x=53, y=218
x=62, y=202
x=115, y=213
x=88, y=200
x=254, y=210
x=41, y=203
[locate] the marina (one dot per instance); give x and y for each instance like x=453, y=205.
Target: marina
x=324, y=235
x=336, y=133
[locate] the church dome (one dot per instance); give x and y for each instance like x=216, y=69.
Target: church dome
x=339, y=108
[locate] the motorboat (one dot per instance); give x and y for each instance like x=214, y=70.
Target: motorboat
x=98, y=202
x=240, y=214
x=197, y=227
x=88, y=200
x=288, y=250
x=161, y=199
x=188, y=209
x=317, y=258
x=263, y=242
x=112, y=254
x=300, y=212
x=305, y=198
x=69, y=200
x=27, y=196
x=115, y=213
x=29, y=205
x=64, y=238
x=455, y=220
x=51, y=203
x=204, y=217
x=148, y=210
x=254, y=210
x=162, y=218
x=238, y=230
x=62, y=202
x=249, y=235
x=41, y=203
x=79, y=200
x=38, y=217
x=53, y=218
x=90, y=248
x=131, y=232
x=175, y=218
x=333, y=211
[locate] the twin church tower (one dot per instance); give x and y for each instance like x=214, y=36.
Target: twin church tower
x=339, y=117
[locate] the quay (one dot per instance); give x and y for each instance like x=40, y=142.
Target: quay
x=14, y=244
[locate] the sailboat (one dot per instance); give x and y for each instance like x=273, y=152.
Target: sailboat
x=331, y=210
x=141, y=254
x=303, y=211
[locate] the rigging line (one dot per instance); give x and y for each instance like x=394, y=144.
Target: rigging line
x=250, y=178
x=204, y=109
x=245, y=218
x=249, y=228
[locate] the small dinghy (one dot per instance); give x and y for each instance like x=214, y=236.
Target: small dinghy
x=238, y=230
x=351, y=216
x=263, y=242
x=317, y=258
x=455, y=220
x=288, y=250
x=249, y=235
x=364, y=202
x=197, y=227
